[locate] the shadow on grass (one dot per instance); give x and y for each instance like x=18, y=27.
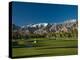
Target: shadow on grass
x=57, y=47
x=41, y=55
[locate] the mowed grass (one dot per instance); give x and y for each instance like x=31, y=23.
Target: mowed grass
x=48, y=48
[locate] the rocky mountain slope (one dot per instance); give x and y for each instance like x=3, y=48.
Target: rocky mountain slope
x=41, y=28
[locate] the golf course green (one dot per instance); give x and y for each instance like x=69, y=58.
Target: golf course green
x=47, y=47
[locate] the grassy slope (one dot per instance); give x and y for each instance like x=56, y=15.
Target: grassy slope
x=49, y=47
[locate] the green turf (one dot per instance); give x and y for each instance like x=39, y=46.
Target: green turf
x=48, y=48
x=32, y=51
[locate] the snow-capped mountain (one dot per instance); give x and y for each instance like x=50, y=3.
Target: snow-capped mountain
x=46, y=24
x=39, y=25
x=66, y=25
x=40, y=28
x=70, y=21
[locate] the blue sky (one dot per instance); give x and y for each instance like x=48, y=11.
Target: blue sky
x=30, y=13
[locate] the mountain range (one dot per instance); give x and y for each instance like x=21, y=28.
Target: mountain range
x=41, y=28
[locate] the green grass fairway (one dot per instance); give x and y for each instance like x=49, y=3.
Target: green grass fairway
x=48, y=48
